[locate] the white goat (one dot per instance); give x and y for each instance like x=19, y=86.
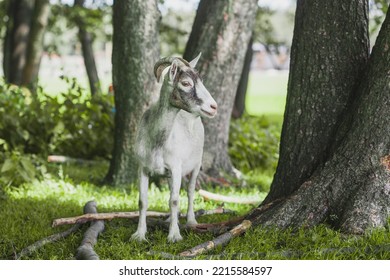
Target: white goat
x=171, y=136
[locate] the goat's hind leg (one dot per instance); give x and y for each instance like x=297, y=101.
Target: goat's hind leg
x=191, y=221
x=139, y=235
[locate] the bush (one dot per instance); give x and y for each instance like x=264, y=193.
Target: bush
x=254, y=143
x=69, y=124
x=17, y=167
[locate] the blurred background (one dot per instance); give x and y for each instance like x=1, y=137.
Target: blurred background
x=62, y=54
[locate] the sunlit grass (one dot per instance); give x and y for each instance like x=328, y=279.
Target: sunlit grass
x=267, y=93
x=27, y=213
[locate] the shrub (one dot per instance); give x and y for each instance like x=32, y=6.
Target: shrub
x=17, y=168
x=70, y=124
x=254, y=143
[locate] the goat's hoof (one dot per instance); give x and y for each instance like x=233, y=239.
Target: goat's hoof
x=174, y=238
x=137, y=236
x=192, y=223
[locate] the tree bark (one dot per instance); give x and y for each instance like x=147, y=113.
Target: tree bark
x=221, y=31
x=35, y=45
x=18, y=29
x=329, y=52
x=87, y=50
x=135, y=50
x=351, y=188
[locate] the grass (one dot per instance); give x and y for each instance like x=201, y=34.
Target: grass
x=27, y=212
x=267, y=93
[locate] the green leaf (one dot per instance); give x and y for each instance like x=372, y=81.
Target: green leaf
x=7, y=165
x=28, y=167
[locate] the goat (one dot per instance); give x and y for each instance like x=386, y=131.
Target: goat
x=170, y=138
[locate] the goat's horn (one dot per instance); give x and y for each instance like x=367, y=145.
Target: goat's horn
x=164, y=63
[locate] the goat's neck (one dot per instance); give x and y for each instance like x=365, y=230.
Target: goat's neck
x=166, y=112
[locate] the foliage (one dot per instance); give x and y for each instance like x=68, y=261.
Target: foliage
x=70, y=124
x=17, y=168
x=97, y=17
x=174, y=31
x=254, y=143
x=378, y=9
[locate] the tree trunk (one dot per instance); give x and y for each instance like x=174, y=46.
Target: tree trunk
x=86, y=46
x=135, y=50
x=8, y=41
x=329, y=52
x=350, y=186
x=18, y=29
x=239, y=101
x=221, y=31
x=35, y=46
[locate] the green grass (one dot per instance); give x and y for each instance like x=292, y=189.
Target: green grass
x=267, y=93
x=27, y=212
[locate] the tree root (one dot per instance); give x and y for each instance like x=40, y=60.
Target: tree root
x=85, y=251
x=285, y=254
x=217, y=197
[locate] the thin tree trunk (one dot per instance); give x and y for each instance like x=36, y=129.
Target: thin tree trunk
x=221, y=31
x=351, y=189
x=329, y=52
x=135, y=51
x=8, y=41
x=17, y=39
x=239, y=101
x=86, y=46
x=35, y=46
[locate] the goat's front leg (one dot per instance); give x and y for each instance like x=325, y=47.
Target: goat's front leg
x=191, y=221
x=174, y=185
x=143, y=207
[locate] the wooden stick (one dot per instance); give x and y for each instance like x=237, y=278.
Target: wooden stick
x=228, y=199
x=50, y=239
x=85, y=251
x=220, y=240
x=104, y=216
x=129, y=215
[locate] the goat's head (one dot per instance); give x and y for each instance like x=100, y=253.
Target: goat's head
x=188, y=92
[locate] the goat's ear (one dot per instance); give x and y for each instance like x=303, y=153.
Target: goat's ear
x=195, y=61
x=173, y=69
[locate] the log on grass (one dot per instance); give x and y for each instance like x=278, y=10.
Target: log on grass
x=85, y=251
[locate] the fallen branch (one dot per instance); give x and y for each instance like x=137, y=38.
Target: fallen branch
x=104, y=216
x=50, y=239
x=129, y=215
x=85, y=251
x=218, y=241
x=217, y=197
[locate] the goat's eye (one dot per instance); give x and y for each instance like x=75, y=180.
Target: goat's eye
x=186, y=84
